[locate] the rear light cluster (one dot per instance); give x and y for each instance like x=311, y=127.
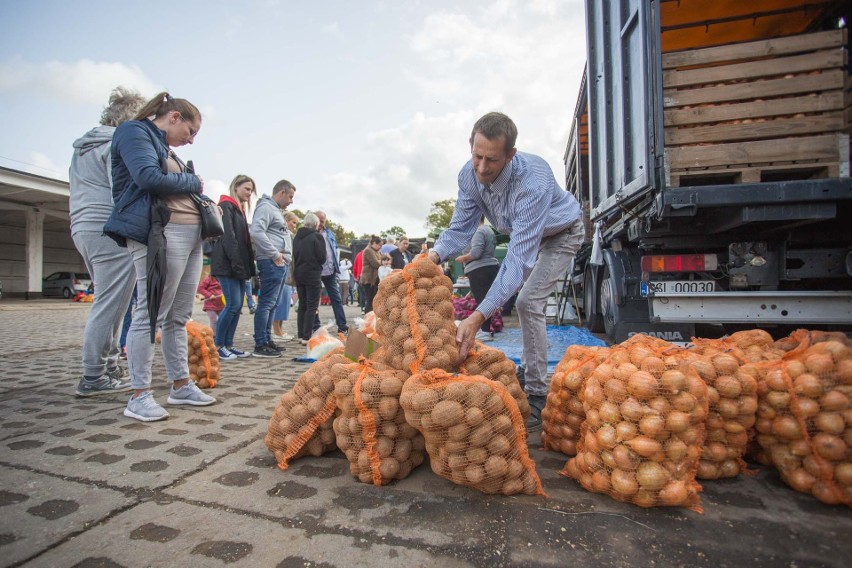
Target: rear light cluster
x=679, y=263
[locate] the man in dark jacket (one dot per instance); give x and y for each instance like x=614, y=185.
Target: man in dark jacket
x=331, y=272
x=309, y=255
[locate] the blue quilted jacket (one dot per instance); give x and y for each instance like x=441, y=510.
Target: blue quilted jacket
x=139, y=170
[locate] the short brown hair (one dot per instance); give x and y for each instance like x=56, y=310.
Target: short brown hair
x=494, y=125
x=281, y=186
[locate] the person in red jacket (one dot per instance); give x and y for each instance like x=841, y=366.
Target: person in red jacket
x=357, y=267
x=211, y=292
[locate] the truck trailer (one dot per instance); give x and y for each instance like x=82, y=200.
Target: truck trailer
x=710, y=153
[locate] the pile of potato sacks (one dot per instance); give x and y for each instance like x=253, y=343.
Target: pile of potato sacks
x=653, y=417
x=388, y=410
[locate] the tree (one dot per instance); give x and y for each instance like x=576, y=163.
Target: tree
x=396, y=232
x=440, y=214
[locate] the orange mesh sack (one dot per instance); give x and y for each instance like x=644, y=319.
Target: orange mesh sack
x=805, y=418
x=732, y=397
x=756, y=345
x=202, y=356
x=302, y=422
x=414, y=311
x=563, y=414
x=644, y=430
x=371, y=428
x=493, y=364
x=474, y=432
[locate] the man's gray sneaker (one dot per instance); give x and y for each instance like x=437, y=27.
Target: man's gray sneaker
x=536, y=404
x=145, y=408
x=117, y=373
x=189, y=394
x=102, y=385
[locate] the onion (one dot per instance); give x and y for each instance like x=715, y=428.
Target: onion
x=652, y=425
x=704, y=369
x=728, y=386
x=737, y=439
x=677, y=421
x=712, y=395
x=714, y=451
x=800, y=448
x=632, y=409
x=600, y=481
x=676, y=449
x=660, y=404
x=844, y=371
x=645, y=498
x=834, y=400
x=696, y=387
x=625, y=458
x=642, y=385
x=674, y=493
x=728, y=408
x=593, y=418
x=625, y=431
x=808, y=385
x=778, y=399
x=615, y=389
x=609, y=412
x=786, y=427
x=624, y=482
x=639, y=354
x=573, y=380
x=608, y=460
x=691, y=435
x=830, y=422
x=776, y=380
x=725, y=364
x=623, y=371
x=606, y=436
x=842, y=473
x=747, y=405
x=673, y=381
x=830, y=447
x=800, y=480
x=593, y=394
x=707, y=470
x=645, y=446
x=819, y=363
x=729, y=468
x=652, y=476
x=683, y=401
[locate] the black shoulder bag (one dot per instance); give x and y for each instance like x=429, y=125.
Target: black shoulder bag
x=211, y=215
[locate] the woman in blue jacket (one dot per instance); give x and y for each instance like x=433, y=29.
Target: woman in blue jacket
x=146, y=173
x=232, y=262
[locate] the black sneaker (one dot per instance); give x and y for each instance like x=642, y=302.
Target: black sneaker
x=536, y=404
x=275, y=346
x=265, y=351
x=520, y=374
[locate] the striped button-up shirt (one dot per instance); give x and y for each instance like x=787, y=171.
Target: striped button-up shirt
x=524, y=202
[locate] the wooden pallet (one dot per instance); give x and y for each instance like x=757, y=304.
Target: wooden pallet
x=758, y=111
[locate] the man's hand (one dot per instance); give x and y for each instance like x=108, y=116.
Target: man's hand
x=278, y=260
x=433, y=256
x=466, y=333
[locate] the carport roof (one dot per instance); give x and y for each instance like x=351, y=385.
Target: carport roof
x=22, y=190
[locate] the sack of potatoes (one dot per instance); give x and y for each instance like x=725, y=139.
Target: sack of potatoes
x=475, y=434
x=493, y=364
x=302, y=421
x=370, y=428
x=201, y=355
x=414, y=311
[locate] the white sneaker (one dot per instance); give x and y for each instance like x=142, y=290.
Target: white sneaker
x=484, y=336
x=145, y=408
x=189, y=394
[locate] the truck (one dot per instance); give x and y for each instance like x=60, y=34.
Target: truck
x=709, y=151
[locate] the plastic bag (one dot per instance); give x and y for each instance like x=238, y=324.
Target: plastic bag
x=322, y=342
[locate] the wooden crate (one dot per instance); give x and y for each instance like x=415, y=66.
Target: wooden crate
x=766, y=110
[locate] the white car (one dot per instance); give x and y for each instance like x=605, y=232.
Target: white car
x=65, y=284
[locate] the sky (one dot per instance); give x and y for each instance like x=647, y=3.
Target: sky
x=366, y=107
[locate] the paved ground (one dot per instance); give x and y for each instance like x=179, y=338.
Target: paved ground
x=81, y=485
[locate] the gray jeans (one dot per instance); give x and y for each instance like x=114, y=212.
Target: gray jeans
x=554, y=257
x=111, y=269
x=183, y=259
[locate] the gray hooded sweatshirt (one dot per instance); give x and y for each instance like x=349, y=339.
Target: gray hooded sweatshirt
x=268, y=230
x=91, y=180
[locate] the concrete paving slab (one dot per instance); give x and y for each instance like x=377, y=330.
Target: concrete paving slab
x=149, y=535
x=39, y=511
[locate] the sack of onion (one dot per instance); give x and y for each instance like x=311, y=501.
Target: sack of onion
x=302, y=422
x=414, y=311
x=804, y=417
x=371, y=428
x=644, y=428
x=493, y=364
x=732, y=397
x=563, y=414
x=202, y=356
x=475, y=435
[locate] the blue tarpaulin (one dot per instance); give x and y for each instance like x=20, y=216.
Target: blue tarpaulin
x=559, y=338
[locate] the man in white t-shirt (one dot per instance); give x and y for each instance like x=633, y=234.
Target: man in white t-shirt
x=344, y=278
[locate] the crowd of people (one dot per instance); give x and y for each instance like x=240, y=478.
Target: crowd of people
x=135, y=219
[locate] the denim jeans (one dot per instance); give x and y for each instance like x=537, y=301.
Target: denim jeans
x=271, y=280
x=233, y=290
x=249, y=295
x=183, y=260
x=554, y=257
x=112, y=272
x=282, y=311
x=333, y=290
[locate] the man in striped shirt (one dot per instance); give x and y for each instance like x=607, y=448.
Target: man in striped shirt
x=519, y=195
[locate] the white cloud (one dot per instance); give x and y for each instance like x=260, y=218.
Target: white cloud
x=83, y=81
x=332, y=29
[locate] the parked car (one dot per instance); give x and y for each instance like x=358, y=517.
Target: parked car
x=65, y=284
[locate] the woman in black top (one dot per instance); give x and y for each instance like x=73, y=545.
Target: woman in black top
x=308, y=258
x=232, y=263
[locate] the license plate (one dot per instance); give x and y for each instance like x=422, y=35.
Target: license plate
x=673, y=287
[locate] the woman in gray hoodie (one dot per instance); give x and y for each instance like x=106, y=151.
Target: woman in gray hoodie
x=109, y=265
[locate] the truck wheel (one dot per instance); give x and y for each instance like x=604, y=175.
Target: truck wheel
x=591, y=300
x=610, y=313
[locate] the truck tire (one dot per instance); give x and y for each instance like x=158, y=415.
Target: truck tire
x=609, y=309
x=592, y=299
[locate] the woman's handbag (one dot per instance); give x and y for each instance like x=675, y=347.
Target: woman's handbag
x=211, y=217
